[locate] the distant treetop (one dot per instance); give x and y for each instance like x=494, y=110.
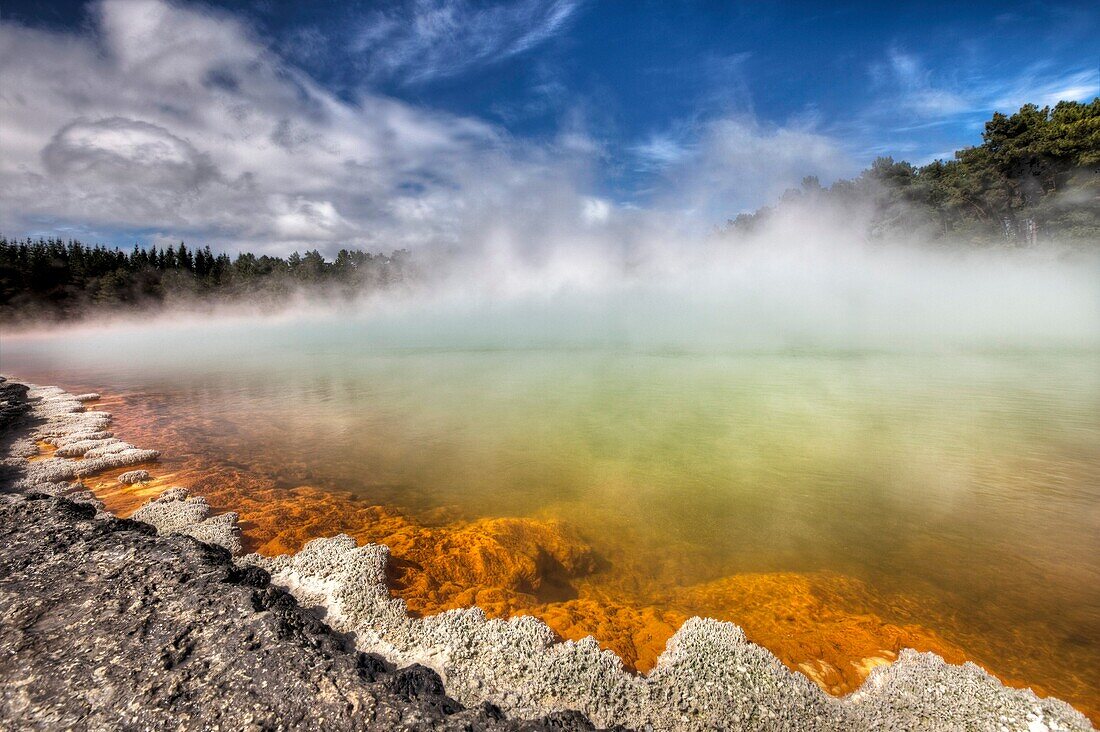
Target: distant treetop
x=57, y=279
x=1035, y=176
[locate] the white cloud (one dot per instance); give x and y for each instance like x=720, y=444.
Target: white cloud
x=169, y=118
x=969, y=90
x=116, y=149
x=179, y=120
x=422, y=40
x=660, y=150
x=595, y=210
x=301, y=218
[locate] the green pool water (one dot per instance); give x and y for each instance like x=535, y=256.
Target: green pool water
x=969, y=478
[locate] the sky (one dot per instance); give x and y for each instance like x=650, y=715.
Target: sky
x=274, y=126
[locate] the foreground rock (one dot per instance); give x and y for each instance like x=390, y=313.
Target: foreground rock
x=108, y=626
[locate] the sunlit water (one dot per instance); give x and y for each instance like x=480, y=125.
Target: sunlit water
x=960, y=489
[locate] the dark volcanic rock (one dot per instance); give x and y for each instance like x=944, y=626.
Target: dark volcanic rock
x=13, y=402
x=107, y=626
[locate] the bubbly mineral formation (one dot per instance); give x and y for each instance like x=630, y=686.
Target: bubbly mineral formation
x=176, y=512
x=79, y=437
x=61, y=419
x=79, y=447
x=134, y=476
x=709, y=677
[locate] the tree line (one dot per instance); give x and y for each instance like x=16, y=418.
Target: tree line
x=57, y=279
x=1035, y=176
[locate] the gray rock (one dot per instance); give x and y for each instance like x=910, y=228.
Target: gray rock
x=113, y=447
x=134, y=476
x=175, y=512
x=78, y=448
x=79, y=436
x=108, y=626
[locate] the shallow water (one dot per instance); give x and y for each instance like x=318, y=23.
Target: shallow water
x=836, y=503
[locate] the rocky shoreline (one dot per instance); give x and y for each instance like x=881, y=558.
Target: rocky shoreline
x=109, y=624
x=160, y=623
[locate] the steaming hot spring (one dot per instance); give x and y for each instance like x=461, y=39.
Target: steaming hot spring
x=615, y=458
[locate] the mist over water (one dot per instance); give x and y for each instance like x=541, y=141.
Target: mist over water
x=793, y=286
x=754, y=299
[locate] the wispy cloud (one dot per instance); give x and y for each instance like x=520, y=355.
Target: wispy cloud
x=718, y=87
x=917, y=92
x=934, y=95
x=661, y=150
x=424, y=40
x=1043, y=85
x=916, y=108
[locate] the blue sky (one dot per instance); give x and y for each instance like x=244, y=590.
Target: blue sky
x=628, y=104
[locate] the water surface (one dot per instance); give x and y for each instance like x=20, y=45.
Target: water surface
x=954, y=494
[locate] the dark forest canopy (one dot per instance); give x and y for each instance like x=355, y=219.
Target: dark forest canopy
x=55, y=279
x=1035, y=177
